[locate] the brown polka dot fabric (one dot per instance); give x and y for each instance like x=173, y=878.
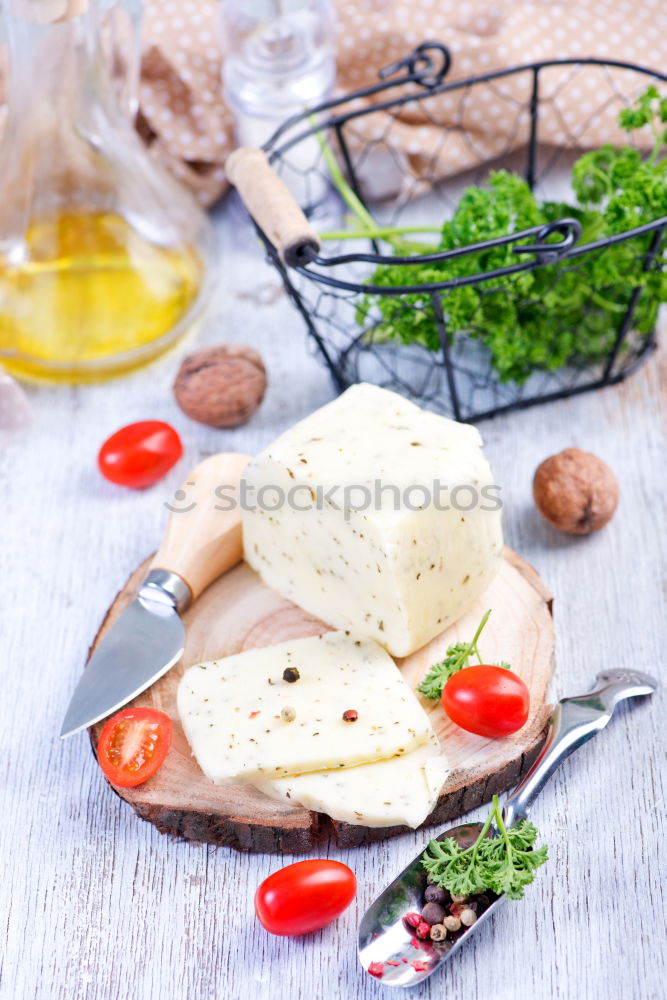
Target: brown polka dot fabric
x=184, y=117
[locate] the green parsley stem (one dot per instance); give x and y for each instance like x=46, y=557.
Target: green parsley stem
x=502, y=829
x=369, y=227
x=377, y=232
x=477, y=634
x=485, y=829
x=352, y=201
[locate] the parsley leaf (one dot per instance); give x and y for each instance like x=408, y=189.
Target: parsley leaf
x=503, y=864
x=456, y=658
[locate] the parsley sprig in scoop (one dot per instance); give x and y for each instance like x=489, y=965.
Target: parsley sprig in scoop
x=503, y=864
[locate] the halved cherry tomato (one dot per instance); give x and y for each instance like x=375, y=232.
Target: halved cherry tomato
x=487, y=700
x=133, y=744
x=305, y=896
x=140, y=454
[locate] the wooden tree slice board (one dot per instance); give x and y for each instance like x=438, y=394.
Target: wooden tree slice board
x=238, y=612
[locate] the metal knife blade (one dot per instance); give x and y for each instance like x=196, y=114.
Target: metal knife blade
x=141, y=646
x=202, y=540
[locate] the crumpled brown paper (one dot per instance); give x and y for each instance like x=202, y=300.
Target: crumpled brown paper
x=188, y=127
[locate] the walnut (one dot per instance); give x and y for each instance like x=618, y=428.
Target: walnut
x=221, y=386
x=576, y=491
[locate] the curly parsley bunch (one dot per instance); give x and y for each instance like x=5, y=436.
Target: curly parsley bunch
x=563, y=313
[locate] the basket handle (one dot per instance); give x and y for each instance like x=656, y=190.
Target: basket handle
x=272, y=205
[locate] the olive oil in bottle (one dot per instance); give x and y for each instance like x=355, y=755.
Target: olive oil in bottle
x=88, y=287
x=104, y=257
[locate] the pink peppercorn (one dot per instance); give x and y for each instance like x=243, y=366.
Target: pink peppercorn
x=412, y=919
x=423, y=930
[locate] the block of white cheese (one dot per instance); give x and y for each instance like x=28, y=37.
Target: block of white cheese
x=234, y=710
x=401, y=791
x=376, y=516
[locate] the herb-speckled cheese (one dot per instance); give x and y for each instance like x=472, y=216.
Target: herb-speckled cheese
x=231, y=709
x=401, y=791
x=399, y=576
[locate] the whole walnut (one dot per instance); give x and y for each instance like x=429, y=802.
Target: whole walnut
x=576, y=491
x=221, y=386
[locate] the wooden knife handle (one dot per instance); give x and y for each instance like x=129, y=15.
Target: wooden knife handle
x=271, y=204
x=203, y=535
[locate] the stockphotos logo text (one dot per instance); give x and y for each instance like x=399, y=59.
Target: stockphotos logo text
x=350, y=498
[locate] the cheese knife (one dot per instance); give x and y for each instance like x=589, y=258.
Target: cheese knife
x=202, y=541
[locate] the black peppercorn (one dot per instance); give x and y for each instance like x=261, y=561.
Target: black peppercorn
x=434, y=894
x=433, y=913
x=291, y=674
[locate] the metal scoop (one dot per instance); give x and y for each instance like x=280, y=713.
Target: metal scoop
x=385, y=942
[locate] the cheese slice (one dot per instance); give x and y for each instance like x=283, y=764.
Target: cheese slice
x=375, y=516
x=231, y=709
x=401, y=791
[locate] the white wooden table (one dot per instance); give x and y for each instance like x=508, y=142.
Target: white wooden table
x=95, y=904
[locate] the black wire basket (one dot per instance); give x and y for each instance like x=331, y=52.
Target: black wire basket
x=451, y=370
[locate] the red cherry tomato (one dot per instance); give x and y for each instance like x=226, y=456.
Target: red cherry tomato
x=140, y=454
x=303, y=897
x=487, y=700
x=133, y=744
